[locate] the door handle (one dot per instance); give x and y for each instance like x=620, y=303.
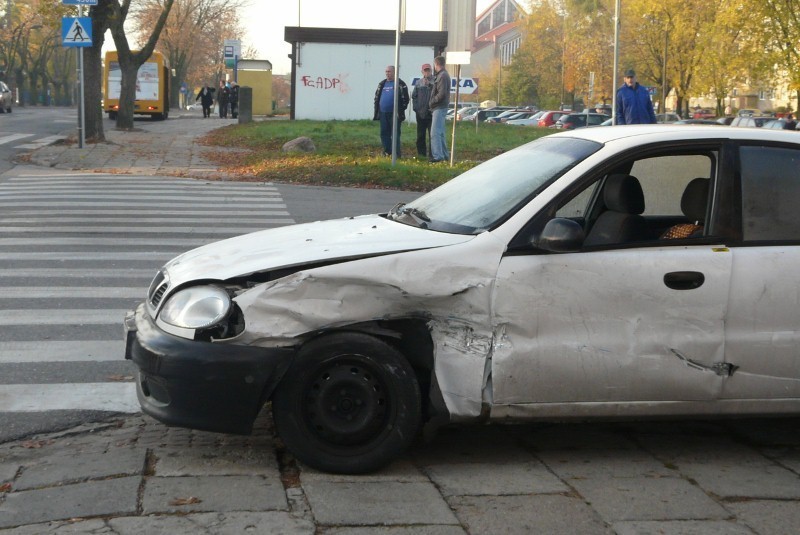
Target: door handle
x=684, y=280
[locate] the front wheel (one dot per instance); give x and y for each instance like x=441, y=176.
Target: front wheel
x=350, y=403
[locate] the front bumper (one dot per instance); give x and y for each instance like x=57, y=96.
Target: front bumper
x=201, y=385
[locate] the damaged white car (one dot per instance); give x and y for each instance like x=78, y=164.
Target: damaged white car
x=608, y=272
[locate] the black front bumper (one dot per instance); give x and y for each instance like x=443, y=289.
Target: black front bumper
x=201, y=385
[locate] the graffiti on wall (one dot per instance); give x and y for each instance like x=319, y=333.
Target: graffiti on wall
x=326, y=83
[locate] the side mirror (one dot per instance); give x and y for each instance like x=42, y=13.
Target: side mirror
x=560, y=235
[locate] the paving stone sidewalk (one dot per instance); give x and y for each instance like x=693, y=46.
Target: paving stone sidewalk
x=133, y=475
x=167, y=148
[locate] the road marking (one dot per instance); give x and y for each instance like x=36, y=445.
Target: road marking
x=199, y=229
x=41, y=142
x=62, y=351
x=67, y=316
x=75, y=292
x=14, y=137
x=112, y=397
x=73, y=273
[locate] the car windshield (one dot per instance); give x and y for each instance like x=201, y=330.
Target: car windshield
x=488, y=194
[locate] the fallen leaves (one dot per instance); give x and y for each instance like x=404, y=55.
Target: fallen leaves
x=185, y=501
x=120, y=378
x=36, y=444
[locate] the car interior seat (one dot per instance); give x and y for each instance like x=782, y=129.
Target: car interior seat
x=622, y=221
x=693, y=205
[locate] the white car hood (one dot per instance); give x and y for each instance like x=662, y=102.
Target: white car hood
x=295, y=245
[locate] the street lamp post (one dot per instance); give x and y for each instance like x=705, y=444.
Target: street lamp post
x=616, y=64
x=664, y=86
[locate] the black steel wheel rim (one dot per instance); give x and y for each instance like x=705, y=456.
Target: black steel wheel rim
x=346, y=402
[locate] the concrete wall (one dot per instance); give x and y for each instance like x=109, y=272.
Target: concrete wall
x=338, y=81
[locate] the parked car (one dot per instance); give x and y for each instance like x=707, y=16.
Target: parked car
x=531, y=120
x=750, y=121
x=725, y=120
x=666, y=118
x=579, y=120
x=550, y=117
x=697, y=121
x=590, y=273
x=6, y=98
x=465, y=114
x=505, y=115
x=748, y=113
x=485, y=113
x=704, y=113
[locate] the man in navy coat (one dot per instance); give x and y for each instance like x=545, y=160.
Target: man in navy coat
x=633, y=102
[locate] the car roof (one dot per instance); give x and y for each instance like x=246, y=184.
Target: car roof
x=663, y=132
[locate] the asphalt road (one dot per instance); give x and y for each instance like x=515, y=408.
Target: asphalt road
x=79, y=249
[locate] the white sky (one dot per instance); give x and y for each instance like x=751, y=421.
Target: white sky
x=264, y=21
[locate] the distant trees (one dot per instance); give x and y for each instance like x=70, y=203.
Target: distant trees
x=709, y=46
x=31, y=59
x=192, y=37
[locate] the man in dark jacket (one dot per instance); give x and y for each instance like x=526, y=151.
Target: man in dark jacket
x=633, y=102
x=384, y=109
x=206, y=98
x=419, y=101
x=439, y=102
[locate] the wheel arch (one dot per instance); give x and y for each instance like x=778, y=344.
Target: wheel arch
x=412, y=337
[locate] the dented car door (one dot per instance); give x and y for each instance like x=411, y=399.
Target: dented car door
x=604, y=326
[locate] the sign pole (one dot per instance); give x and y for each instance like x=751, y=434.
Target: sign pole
x=77, y=32
x=82, y=103
x=455, y=115
x=458, y=59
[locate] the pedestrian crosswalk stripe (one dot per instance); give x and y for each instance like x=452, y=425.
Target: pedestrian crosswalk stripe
x=74, y=292
x=92, y=243
x=62, y=317
x=111, y=397
x=41, y=142
x=62, y=351
x=13, y=137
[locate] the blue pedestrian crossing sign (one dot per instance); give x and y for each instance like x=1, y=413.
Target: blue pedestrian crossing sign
x=76, y=31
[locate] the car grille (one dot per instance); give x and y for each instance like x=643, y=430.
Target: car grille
x=157, y=289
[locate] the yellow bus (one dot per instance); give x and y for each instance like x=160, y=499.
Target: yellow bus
x=152, y=86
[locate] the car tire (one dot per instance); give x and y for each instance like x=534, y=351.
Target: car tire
x=349, y=403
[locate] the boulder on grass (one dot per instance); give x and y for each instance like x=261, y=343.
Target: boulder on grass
x=301, y=144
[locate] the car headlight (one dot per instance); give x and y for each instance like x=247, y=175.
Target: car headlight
x=196, y=308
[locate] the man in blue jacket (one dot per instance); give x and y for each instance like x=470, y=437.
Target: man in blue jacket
x=633, y=102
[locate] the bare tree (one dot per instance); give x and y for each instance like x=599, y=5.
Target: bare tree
x=192, y=36
x=93, y=72
x=129, y=60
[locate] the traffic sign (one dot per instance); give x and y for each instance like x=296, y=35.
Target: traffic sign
x=76, y=31
x=232, y=52
x=79, y=2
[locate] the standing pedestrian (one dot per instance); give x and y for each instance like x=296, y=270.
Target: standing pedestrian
x=234, y=100
x=206, y=98
x=222, y=99
x=440, y=100
x=633, y=102
x=420, y=98
x=790, y=123
x=384, y=109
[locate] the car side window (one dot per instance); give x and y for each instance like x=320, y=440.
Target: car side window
x=770, y=193
x=664, y=179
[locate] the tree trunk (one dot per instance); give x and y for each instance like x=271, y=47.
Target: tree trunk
x=127, y=94
x=129, y=61
x=93, y=72
x=92, y=92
